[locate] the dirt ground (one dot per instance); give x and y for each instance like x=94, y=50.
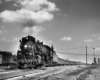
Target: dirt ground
x=66, y=75
x=89, y=75
x=94, y=75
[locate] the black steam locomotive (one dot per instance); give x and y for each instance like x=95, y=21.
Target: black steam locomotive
x=33, y=54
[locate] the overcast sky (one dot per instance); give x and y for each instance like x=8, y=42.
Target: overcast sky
x=69, y=25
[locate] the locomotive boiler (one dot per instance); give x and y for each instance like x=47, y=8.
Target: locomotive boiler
x=34, y=54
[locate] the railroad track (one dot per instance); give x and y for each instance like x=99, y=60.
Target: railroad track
x=83, y=74
x=8, y=71
x=78, y=74
x=42, y=74
x=32, y=74
x=12, y=74
x=12, y=70
x=36, y=75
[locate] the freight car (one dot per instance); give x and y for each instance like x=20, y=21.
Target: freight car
x=34, y=54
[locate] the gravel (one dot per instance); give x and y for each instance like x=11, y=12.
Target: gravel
x=72, y=74
x=95, y=74
x=68, y=74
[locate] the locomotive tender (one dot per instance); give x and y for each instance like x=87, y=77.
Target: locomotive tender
x=34, y=54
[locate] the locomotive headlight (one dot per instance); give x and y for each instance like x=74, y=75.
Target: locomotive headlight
x=25, y=46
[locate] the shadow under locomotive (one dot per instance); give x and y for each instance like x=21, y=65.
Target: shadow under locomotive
x=34, y=54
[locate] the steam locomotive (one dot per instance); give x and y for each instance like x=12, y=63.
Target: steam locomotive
x=34, y=54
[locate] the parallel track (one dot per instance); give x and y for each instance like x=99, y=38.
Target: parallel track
x=81, y=74
x=33, y=74
x=41, y=74
x=73, y=74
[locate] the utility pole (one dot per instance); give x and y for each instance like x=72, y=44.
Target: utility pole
x=86, y=54
x=94, y=52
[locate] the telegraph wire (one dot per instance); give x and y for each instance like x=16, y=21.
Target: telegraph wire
x=70, y=48
x=70, y=53
x=76, y=47
x=77, y=53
